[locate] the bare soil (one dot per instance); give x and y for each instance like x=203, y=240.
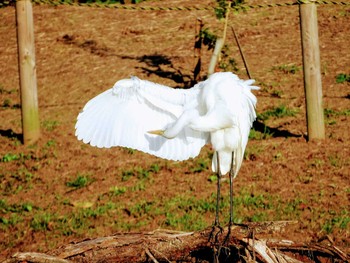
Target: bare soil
x=82, y=51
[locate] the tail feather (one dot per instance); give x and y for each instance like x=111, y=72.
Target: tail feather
x=225, y=160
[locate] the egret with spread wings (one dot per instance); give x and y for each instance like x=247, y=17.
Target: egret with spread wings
x=175, y=124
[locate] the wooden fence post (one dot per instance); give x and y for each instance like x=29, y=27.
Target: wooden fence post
x=312, y=71
x=27, y=71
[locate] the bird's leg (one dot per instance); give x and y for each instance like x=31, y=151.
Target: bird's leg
x=218, y=193
x=230, y=223
x=216, y=226
x=218, y=189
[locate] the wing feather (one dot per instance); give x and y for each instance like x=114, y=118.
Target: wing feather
x=245, y=121
x=123, y=117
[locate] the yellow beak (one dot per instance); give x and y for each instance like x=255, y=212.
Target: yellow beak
x=157, y=132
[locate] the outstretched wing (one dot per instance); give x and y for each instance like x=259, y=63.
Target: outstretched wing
x=123, y=115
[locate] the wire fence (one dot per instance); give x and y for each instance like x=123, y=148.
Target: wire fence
x=136, y=7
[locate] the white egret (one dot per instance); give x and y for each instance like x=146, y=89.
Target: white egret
x=219, y=110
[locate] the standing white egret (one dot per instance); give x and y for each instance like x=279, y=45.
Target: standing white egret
x=219, y=110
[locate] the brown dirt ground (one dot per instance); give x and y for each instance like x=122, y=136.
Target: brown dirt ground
x=82, y=51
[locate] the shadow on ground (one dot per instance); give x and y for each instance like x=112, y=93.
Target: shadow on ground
x=162, y=66
x=274, y=132
x=11, y=134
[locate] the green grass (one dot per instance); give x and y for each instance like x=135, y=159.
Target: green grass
x=258, y=135
x=335, y=161
x=252, y=152
x=331, y=114
x=15, y=208
x=287, y=68
x=6, y=91
x=8, y=157
x=337, y=220
x=41, y=221
x=139, y=172
x=277, y=112
x=181, y=212
x=49, y=125
x=115, y=190
x=200, y=165
x=187, y=213
x=21, y=157
x=271, y=88
x=12, y=214
x=342, y=77
x=227, y=62
x=21, y=178
x=80, y=181
x=188, y=222
x=7, y=102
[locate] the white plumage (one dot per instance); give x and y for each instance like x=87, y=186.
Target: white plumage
x=219, y=111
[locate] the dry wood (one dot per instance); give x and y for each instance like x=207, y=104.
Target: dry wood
x=175, y=246
x=35, y=257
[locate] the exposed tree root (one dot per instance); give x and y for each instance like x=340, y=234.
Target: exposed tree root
x=174, y=246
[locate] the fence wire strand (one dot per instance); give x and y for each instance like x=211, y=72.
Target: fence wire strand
x=242, y=7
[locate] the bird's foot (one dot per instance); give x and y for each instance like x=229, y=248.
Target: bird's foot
x=228, y=235
x=215, y=233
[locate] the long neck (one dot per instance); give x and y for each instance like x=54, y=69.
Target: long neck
x=185, y=119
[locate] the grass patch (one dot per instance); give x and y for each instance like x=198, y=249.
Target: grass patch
x=50, y=125
x=287, y=68
x=271, y=89
x=333, y=113
x=341, y=221
x=258, y=135
x=278, y=112
x=342, y=77
x=188, y=213
x=139, y=172
x=187, y=222
x=115, y=190
x=6, y=91
x=15, y=208
x=80, y=181
x=252, y=152
x=9, y=157
x=200, y=166
x=41, y=221
x=12, y=214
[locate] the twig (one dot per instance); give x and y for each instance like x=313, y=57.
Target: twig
x=151, y=256
x=241, y=52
